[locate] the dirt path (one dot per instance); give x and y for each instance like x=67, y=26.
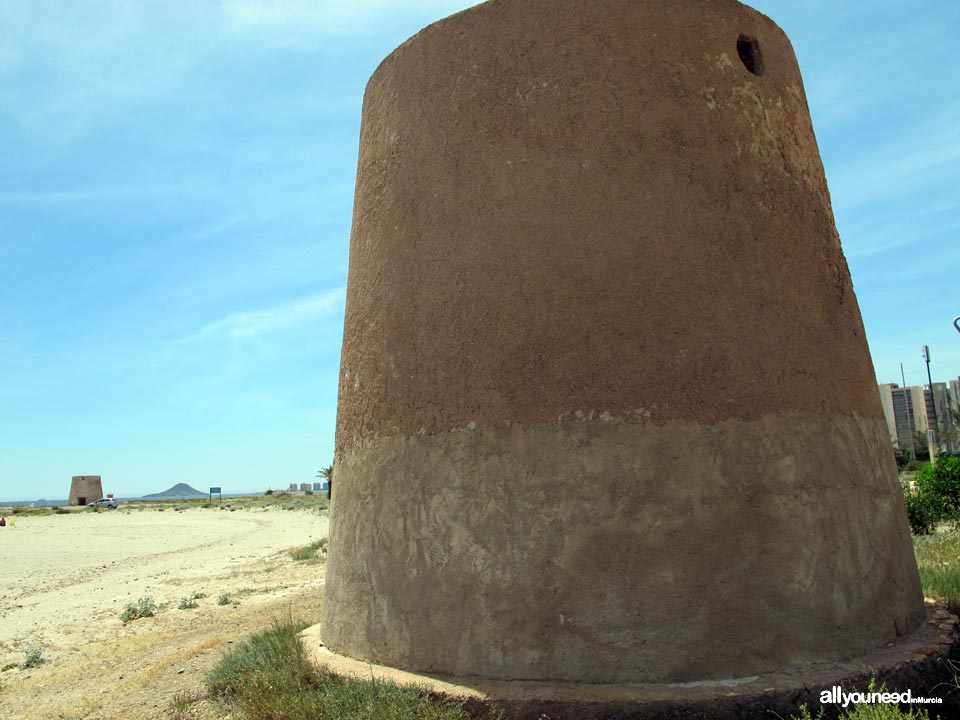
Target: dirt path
x=65, y=579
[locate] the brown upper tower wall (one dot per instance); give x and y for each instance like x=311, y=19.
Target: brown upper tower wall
x=576, y=207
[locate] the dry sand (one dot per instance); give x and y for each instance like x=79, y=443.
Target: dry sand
x=65, y=579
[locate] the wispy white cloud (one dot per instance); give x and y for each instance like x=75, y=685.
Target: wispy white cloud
x=64, y=197
x=856, y=75
x=251, y=325
x=69, y=68
x=914, y=224
x=300, y=20
x=867, y=57
x=81, y=64
x=927, y=154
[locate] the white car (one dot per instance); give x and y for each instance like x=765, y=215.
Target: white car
x=104, y=502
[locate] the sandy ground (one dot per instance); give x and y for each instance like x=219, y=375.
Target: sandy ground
x=65, y=579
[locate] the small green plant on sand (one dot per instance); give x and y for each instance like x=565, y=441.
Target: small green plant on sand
x=309, y=552
x=223, y=599
x=187, y=603
x=32, y=657
x=143, y=608
x=183, y=702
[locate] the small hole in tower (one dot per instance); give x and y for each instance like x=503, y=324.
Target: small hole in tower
x=749, y=51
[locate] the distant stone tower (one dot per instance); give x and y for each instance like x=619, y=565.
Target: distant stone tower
x=607, y=411
x=85, y=489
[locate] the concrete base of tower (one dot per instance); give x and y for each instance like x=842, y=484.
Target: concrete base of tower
x=917, y=663
x=606, y=550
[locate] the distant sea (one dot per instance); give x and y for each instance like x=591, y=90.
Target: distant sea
x=51, y=503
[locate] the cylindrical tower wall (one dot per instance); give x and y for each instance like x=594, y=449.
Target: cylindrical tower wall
x=85, y=487
x=607, y=411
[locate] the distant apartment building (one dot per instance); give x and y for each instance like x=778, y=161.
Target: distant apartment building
x=948, y=402
x=940, y=397
x=911, y=410
x=904, y=410
x=293, y=487
x=304, y=487
x=318, y=487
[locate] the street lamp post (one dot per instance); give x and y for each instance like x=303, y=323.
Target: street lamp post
x=932, y=438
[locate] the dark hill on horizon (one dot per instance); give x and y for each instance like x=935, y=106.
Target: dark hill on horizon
x=180, y=490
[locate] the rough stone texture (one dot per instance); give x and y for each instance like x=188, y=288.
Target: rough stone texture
x=606, y=408
x=621, y=551
x=85, y=486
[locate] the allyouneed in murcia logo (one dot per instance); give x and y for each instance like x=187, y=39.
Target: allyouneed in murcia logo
x=836, y=696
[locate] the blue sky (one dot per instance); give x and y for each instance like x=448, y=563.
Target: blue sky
x=176, y=184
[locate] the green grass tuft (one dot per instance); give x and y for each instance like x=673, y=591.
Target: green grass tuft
x=269, y=677
x=310, y=552
x=938, y=559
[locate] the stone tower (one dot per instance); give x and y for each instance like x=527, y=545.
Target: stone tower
x=606, y=411
x=85, y=489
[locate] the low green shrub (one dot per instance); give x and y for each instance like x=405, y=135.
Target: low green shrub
x=143, y=608
x=935, y=496
x=923, y=511
x=941, y=482
x=33, y=511
x=32, y=657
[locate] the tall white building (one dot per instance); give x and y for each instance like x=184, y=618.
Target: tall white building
x=910, y=410
x=905, y=412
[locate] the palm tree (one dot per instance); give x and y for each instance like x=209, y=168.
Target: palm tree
x=327, y=474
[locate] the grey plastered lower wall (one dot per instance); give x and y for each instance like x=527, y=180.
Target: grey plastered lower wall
x=621, y=552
